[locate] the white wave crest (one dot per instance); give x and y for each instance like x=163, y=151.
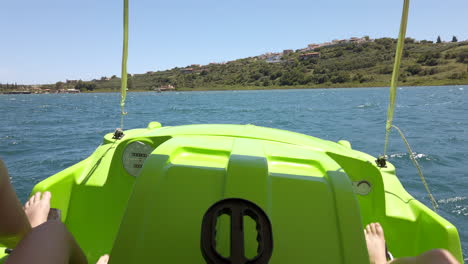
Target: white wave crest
x=460, y=210
x=366, y=105
x=417, y=156
x=452, y=200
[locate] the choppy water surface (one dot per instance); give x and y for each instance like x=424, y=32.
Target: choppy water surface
x=43, y=134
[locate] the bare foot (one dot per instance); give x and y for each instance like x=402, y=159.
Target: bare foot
x=37, y=208
x=375, y=243
x=103, y=259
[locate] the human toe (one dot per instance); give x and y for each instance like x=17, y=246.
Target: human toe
x=103, y=259
x=36, y=197
x=31, y=200
x=374, y=227
x=46, y=196
x=379, y=229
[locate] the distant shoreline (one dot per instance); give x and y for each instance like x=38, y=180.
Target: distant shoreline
x=356, y=62
x=302, y=88
x=250, y=89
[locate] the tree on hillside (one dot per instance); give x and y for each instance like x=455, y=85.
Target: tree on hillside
x=439, y=40
x=426, y=41
x=454, y=39
x=130, y=84
x=80, y=85
x=414, y=69
x=463, y=57
x=91, y=87
x=85, y=85
x=59, y=85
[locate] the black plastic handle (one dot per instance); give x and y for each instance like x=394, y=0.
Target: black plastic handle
x=236, y=208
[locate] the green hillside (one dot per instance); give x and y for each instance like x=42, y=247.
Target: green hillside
x=346, y=64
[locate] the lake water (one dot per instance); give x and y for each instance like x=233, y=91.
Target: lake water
x=44, y=134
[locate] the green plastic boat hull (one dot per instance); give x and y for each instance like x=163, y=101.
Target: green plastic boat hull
x=318, y=195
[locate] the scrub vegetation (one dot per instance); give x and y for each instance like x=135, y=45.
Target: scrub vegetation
x=346, y=65
x=366, y=64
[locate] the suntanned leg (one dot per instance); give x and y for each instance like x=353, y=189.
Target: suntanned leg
x=376, y=247
x=48, y=243
x=375, y=243
x=14, y=223
x=435, y=256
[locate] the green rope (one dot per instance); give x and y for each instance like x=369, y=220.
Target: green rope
x=416, y=164
x=391, y=105
x=396, y=70
x=123, y=84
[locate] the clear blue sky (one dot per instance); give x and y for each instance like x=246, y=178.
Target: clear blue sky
x=52, y=40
